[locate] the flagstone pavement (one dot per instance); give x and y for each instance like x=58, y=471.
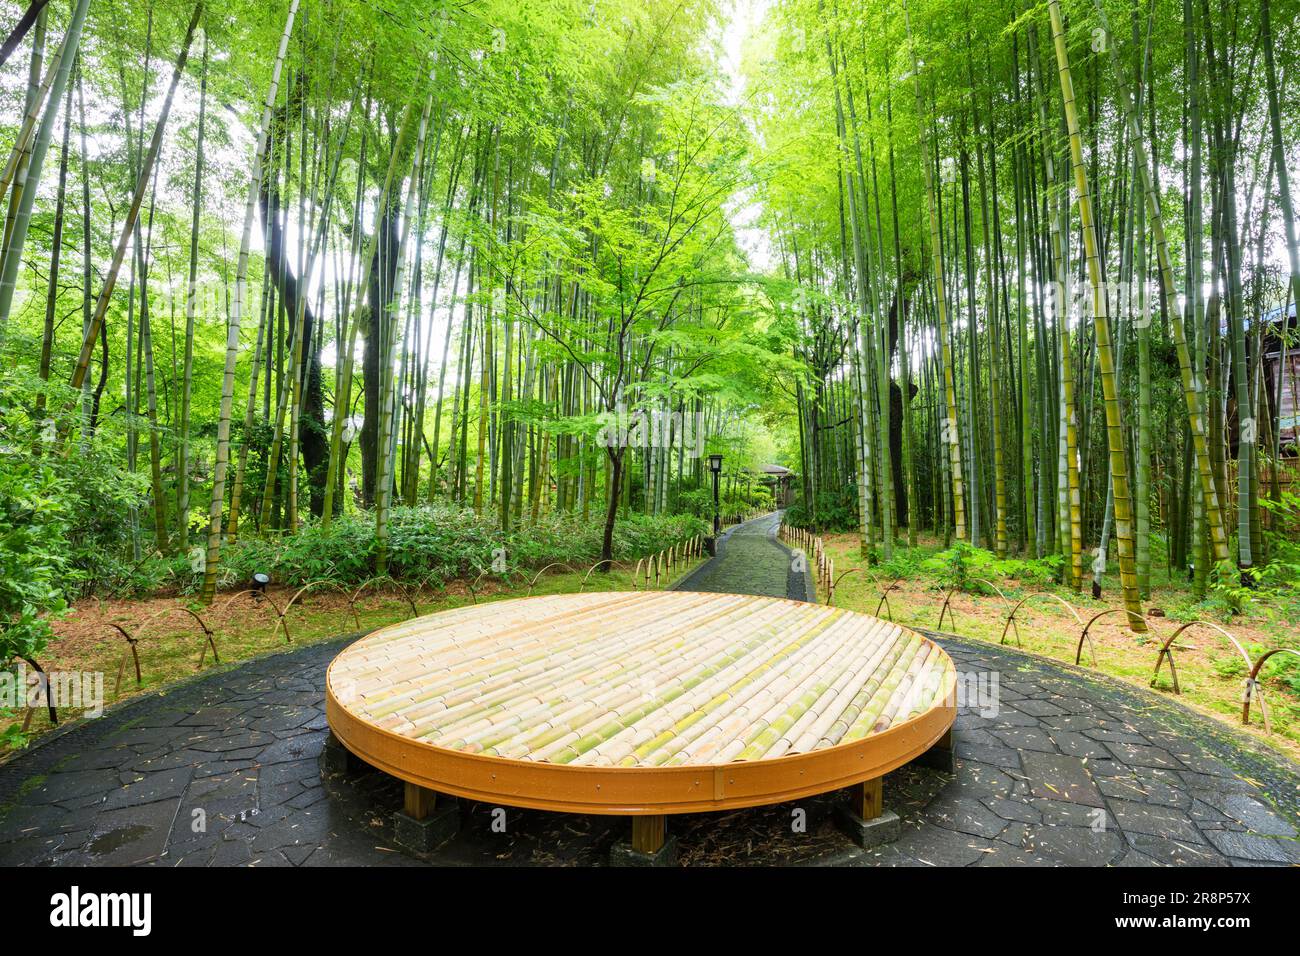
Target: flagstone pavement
x=1055, y=766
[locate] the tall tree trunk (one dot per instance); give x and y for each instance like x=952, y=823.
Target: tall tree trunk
x=949, y=436
x=191, y=310
x=24, y=188
x=1101, y=322
x=236, y=314
x=133, y=211
x=369, y=266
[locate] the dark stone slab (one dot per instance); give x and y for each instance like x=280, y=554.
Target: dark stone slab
x=1142, y=755
x=1255, y=848
x=965, y=814
x=1039, y=708
x=1155, y=820
x=1074, y=744
x=1076, y=846
x=132, y=834
x=1059, y=813
x=1058, y=777
x=1013, y=810
x=246, y=746
x=1256, y=816
x=60, y=787
x=1174, y=852
x=1004, y=854
x=1026, y=739
x=139, y=789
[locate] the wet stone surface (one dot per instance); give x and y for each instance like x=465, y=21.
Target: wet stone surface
x=751, y=561
x=1054, y=767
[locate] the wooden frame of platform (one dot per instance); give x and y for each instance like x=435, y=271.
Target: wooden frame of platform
x=855, y=696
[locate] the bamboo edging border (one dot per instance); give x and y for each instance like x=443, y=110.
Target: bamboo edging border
x=803, y=539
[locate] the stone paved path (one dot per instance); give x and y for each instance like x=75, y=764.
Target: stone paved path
x=1067, y=768
x=751, y=561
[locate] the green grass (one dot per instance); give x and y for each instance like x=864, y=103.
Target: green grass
x=1209, y=671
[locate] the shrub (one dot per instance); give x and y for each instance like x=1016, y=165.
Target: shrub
x=834, y=509
x=442, y=540
x=55, y=520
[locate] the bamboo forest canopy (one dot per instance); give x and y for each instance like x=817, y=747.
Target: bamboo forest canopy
x=1039, y=256
x=1012, y=275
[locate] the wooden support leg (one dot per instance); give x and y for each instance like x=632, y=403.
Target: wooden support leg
x=425, y=822
x=940, y=756
x=650, y=844
x=864, y=818
x=868, y=799
x=420, y=801
x=648, y=833
x=337, y=759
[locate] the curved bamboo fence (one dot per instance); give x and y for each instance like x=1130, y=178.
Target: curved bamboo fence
x=809, y=543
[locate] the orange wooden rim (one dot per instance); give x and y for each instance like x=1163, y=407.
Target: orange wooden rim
x=540, y=785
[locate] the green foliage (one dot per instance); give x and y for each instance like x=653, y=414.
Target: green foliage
x=1284, y=668
x=906, y=563
x=699, y=501
x=441, y=540
x=1282, y=572
x=52, y=532
x=1228, y=592
x=62, y=515
x=961, y=564
x=834, y=509
x=33, y=521
x=956, y=566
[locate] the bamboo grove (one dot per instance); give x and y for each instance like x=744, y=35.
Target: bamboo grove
x=342, y=256
x=1015, y=275
x=1038, y=256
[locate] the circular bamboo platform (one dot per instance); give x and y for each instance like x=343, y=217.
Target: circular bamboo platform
x=640, y=703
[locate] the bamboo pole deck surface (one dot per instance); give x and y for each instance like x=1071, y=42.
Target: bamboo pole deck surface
x=641, y=702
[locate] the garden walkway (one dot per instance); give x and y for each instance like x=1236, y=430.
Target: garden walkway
x=752, y=561
x=1055, y=766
